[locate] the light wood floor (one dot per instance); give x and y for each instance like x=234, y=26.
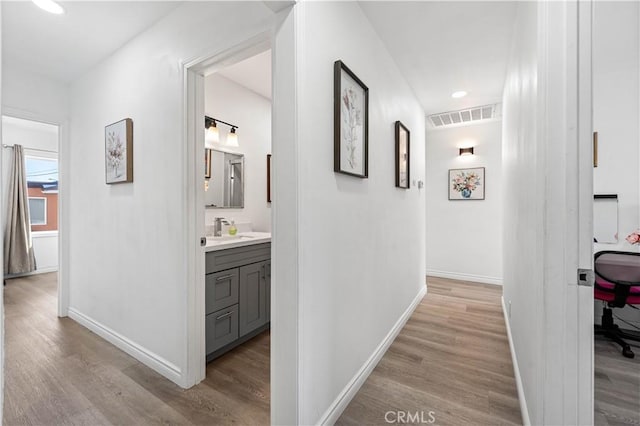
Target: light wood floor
x=452, y=358
x=617, y=384
x=59, y=373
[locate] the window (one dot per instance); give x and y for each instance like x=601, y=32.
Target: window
x=38, y=211
x=42, y=183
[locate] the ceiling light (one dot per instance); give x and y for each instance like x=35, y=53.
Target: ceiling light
x=459, y=94
x=50, y=6
x=232, y=138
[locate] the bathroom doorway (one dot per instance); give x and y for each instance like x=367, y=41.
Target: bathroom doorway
x=229, y=151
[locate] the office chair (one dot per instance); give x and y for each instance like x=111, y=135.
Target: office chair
x=617, y=283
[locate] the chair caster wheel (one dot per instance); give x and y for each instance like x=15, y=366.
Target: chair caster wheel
x=627, y=352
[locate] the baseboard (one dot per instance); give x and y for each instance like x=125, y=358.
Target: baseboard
x=464, y=277
x=526, y=421
x=148, y=358
x=344, y=398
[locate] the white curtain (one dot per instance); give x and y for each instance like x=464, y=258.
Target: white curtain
x=18, y=249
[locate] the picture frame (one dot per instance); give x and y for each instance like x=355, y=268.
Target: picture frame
x=118, y=148
x=350, y=123
x=403, y=156
x=268, y=178
x=467, y=184
x=207, y=163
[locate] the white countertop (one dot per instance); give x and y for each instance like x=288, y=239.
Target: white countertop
x=241, y=239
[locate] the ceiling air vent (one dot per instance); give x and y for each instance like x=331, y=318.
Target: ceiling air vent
x=465, y=116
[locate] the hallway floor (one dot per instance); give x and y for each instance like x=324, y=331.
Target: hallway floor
x=452, y=359
x=59, y=373
x=617, y=384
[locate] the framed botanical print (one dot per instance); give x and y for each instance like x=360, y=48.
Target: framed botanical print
x=351, y=114
x=402, y=156
x=118, y=147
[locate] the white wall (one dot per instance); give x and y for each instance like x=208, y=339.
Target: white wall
x=361, y=241
x=616, y=113
x=522, y=223
x=31, y=95
x=129, y=241
x=32, y=136
x=230, y=102
x=464, y=239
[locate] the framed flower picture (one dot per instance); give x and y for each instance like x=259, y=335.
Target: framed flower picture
x=350, y=123
x=466, y=184
x=118, y=145
x=402, y=156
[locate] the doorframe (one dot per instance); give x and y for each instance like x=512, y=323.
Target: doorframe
x=193, y=72
x=63, y=220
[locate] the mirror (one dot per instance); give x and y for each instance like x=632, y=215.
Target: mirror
x=224, y=182
x=605, y=218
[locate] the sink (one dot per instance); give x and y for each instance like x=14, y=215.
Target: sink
x=229, y=237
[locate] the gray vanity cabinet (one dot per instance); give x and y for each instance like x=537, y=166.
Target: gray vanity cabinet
x=253, y=297
x=237, y=296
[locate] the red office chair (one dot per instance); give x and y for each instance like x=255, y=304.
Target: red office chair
x=618, y=284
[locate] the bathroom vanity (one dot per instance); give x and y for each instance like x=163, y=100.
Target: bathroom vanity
x=238, y=290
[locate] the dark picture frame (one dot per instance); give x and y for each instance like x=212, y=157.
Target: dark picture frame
x=268, y=178
x=118, y=149
x=350, y=123
x=403, y=156
x=465, y=187
x=207, y=163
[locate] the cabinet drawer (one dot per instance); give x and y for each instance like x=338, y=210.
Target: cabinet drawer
x=221, y=328
x=235, y=257
x=221, y=290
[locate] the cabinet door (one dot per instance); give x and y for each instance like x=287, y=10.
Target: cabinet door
x=253, y=297
x=221, y=328
x=221, y=290
x=267, y=267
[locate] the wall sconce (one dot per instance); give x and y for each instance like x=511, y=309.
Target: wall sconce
x=212, y=134
x=466, y=151
x=232, y=138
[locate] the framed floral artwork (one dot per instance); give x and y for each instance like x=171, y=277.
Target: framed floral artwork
x=466, y=184
x=402, y=156
x=350, y=123
x=118, y=145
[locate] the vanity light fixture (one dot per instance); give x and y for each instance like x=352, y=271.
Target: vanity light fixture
x=459, y=94
x=466, y=151
x=232, y=138
x=212, y=133
x=50, y=6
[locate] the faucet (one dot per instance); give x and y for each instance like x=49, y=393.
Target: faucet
x=217, y=226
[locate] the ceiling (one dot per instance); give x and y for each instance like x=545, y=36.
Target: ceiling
x=253, y=73
x=63, y=47
x=442, y=47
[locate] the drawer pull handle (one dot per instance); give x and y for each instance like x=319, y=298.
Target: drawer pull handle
x=225, y=277
x=224, y=315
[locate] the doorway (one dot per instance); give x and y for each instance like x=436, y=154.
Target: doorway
x=229, y=121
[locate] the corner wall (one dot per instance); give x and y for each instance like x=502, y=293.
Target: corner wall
x=450, y=252
x=361, y=241
x=523, y=225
